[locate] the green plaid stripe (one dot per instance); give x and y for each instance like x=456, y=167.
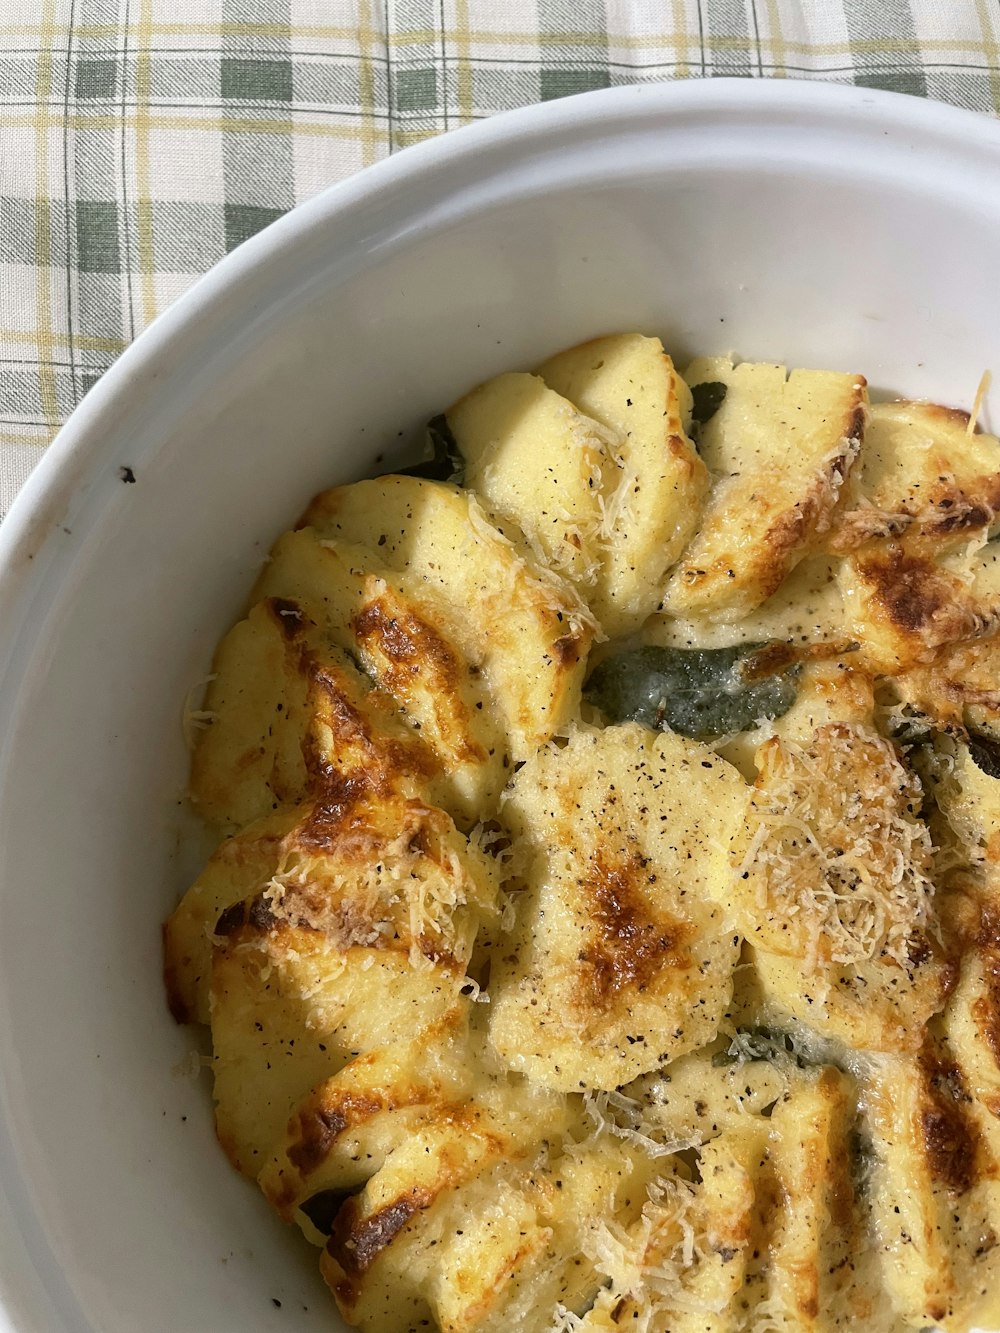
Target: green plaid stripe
x=142, y=139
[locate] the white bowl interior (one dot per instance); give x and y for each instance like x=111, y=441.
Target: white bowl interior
x=839, y=230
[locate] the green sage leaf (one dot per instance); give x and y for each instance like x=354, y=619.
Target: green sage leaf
x=696, y=692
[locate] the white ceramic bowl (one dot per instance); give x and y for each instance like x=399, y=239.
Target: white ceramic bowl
x=824, y=226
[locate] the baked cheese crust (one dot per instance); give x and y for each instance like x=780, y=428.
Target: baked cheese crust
x=604, y=929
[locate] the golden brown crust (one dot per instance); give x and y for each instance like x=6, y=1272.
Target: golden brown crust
x=629, y=946
x=986, y=1008
x=919, y=600
x=951, y=1139
x=459, y=1178
x=356, y=1242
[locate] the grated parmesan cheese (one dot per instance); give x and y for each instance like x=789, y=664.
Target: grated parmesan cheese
x=838, y=860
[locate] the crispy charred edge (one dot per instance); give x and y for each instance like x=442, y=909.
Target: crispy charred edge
x=356, y=1242
x=336, y=693
x=411, y=647
x=406, y=640
x=626, y=946
x=986, y=1007
x=251, y=917
x=338, y=817
x=920, y=600
x=950, y=509
x=335, y=809
x=954, y=416
x=317, y=1126
x=779, y=656
x=388, y=757
x=811, y=516
x=950, y=1136
x=332, y=1109
x=789, y=536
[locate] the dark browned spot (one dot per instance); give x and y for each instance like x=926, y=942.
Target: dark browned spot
x=355, y=1242
x=958, y=518
x=909, y=589
x=776, y=657
x=348, y=724
x=354, y=742
x=768, y=661
x=319, y=1126
x=411, y=655
x=231, y=920
x=627, y=945
x=986, y=1007
x=855, y=429
x=340, y=796
x=955, y=416
x=288, y=616
x=322, y=1208
x=809, y=1304
x=918, y=949
x=254, y=912
x=567, y=651
x=951, y=1139
x=407, y=642
x=842, y=1197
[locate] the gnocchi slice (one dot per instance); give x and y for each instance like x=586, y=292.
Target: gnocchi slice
x=924, y=472
x=771, y=1233
x=364, y=931
x=459, y=1229
x=832, y=888
x=971, y=1022
x=289, y=1010
x=778, y=448
x=682, y=1263
x=539, y=463
x=934, y=1192
x=513, y=1255
x=654, y=482
x=239, y=868
x=344, y=1130
x=905, y=607
x=415, y=656
x=289, y=709
x=822, y=1275
x=442, y=550
x=619, y=958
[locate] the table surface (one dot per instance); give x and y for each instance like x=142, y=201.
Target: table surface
x=142, y=139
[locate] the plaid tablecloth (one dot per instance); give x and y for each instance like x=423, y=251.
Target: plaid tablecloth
x=142, y=139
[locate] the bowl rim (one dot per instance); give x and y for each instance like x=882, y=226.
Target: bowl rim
x=78, y=441
x=85, y=440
